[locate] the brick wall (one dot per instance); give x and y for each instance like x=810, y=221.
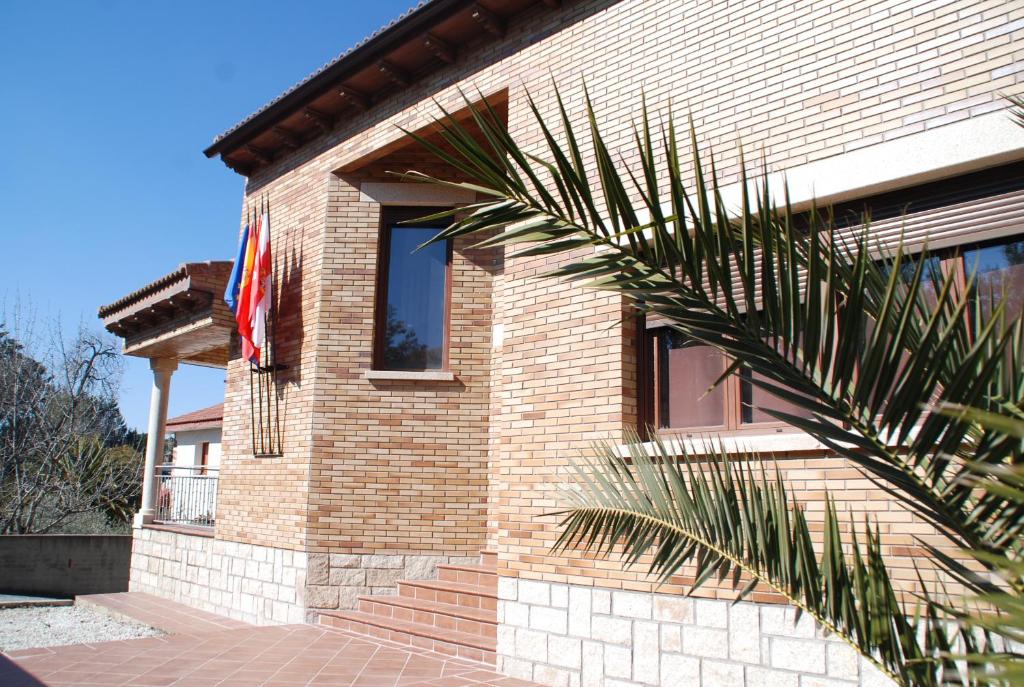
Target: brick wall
x=797, y=82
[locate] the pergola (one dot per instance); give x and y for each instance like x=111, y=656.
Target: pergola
x=179, y=318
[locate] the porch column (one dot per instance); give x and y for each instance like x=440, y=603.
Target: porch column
x=162, y=369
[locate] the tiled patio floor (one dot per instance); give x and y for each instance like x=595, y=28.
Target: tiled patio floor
x=237, y=655
x=173, y=618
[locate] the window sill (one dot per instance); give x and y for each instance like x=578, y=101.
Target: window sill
x=410, y=375
x=705, y=444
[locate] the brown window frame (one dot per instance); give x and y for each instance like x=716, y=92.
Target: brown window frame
x=952, y=262
x=389, y=217
x=654, y=377
x=204, y=457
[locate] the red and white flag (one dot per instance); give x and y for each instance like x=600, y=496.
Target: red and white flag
x=262, y=286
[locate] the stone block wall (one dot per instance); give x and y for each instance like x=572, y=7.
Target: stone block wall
x=336, y=581
x=255, y=584
x=576, y=636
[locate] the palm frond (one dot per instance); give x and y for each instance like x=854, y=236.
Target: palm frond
x=650, y=504
x=821, y=315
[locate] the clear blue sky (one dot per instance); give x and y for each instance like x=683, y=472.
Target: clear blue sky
x=106, y=107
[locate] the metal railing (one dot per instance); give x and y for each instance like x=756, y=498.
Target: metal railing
x=186, y=495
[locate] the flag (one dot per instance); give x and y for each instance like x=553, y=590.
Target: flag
x=245, y=303
x=235, y=281
x=261, y=286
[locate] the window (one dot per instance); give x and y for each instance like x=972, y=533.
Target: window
x=998, y=266
x=204, y=457
x=949, y=213
x=684, y=371
x=999, y=270
x=412, y=294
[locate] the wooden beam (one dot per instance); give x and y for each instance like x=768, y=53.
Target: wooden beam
x=442, y=49
x=358, y=99
x=553, y=4
x=262, y=154
x=492, y=23
x=321, y=120
x=395, y=73
x=239, y=167
x=287, y=137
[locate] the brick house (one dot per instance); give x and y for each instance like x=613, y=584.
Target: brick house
x=430, y=466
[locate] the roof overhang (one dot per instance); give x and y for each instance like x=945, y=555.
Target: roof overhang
x=427, y=38
x=179, y=316
x=205, y=418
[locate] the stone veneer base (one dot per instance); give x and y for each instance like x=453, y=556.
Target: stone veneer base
x=336, y=581
x=254, y=584
x=575, y=636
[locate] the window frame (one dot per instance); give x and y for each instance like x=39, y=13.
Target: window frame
x=952, y=263
x=652, y=385
x=389, y=217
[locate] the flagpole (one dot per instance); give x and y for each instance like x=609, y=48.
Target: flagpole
x=265, y=353
x=272, y=338
x=259, y=370
x=252, y=412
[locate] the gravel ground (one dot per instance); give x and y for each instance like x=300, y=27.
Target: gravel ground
x=28, y=628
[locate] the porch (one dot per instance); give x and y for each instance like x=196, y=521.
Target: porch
x=179, y=318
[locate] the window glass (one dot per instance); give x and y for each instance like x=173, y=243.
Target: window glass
x=931, y=278
x=754, y=400
x=1000, y=270
x=414, y=328
x=687, y=371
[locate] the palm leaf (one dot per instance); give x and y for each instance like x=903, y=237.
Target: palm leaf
x=649, y=505
x=824, y=319
x=791, y=302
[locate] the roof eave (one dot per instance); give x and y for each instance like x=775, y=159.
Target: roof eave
x=359, y=58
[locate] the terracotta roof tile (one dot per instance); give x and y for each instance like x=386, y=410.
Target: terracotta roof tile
x=198, y=419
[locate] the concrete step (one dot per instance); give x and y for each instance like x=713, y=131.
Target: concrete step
x=473, y=647
x=468, y=574
x=445, y=616
x=455, y=593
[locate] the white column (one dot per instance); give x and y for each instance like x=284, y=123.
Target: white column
x=162, y=369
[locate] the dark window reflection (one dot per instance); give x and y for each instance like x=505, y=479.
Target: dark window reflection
x=416, y=283
x=1000, y=273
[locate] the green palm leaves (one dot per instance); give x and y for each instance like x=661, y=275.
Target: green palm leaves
x=726, y=518
x=824, y=319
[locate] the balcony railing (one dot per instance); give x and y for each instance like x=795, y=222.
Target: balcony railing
x=186, y=495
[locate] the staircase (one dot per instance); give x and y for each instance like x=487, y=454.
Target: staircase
x=456, y=614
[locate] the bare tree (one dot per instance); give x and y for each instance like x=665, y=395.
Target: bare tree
x=64, y=447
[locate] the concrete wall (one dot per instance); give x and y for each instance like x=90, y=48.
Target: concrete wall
x=64, y=564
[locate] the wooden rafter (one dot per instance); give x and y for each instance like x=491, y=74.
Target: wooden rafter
x=262, y=154
x=320, y=119
x=287, y=137
x=492, y=23
x=239, y=167
x=441, y=49
x=356, y=98
x=397, y=75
